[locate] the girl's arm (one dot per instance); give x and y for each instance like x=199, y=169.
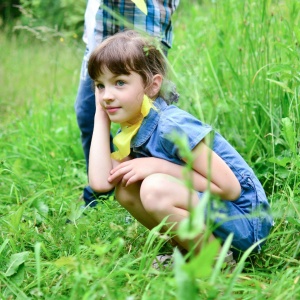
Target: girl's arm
x=100, y=162
x=223, y=181
x=138, y=169
x=209, y=165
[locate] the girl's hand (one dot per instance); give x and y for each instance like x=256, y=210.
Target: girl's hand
x=100, y=112
x=97, y=100
x=134, y=170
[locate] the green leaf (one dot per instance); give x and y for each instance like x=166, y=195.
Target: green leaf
x=280, y=161
x=201, y=265
x=280, y=68
x=17, y=167
x=185, y=282
x=289, y=134
x=6, y=241
x=75, y=213
x=66, y=261
x=18, y=278
x=16, y=260
x=141, y=4
x=282, y=85
x=15, y=218
x=293, y=221
x=41, y=207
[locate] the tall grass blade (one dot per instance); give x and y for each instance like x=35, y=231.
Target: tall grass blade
x=37, y=254
x=220, y=260
x=239, y=268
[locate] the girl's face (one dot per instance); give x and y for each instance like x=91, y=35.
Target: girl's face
x=121, y=96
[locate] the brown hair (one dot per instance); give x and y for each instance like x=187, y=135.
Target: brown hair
x=126, y=52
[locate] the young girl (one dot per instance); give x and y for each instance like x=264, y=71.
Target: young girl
x=146, y=170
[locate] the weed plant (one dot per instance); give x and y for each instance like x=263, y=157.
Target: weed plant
x=236, y=66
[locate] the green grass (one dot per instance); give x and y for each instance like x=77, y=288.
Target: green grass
x=236, y=66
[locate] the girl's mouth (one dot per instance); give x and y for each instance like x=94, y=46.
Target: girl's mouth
x=112, y=110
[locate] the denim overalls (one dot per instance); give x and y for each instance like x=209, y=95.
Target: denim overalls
x=247, y=217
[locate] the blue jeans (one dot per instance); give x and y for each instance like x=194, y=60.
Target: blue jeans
x=85, y=111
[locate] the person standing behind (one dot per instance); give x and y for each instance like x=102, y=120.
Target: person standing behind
x=102, y=21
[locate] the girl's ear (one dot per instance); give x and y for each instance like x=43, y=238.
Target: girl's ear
x=156, y=85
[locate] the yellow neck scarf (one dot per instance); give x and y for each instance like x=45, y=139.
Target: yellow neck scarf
x=122, y=139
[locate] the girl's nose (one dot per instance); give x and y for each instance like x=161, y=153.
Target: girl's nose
x=108, y=95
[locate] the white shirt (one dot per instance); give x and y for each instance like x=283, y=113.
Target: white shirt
x=90, y=23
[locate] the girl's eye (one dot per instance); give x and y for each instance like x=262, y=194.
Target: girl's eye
x=120, y=83
x=100, y=86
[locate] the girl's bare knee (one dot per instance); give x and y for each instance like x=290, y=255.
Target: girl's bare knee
x=124, y=196
x=153, y=193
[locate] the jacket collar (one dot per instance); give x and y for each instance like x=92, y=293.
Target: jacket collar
x=149, y=123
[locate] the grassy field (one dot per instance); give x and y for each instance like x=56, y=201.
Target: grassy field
x=236, y=65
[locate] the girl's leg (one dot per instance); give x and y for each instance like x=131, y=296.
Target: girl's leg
x=165, y=196
x=129, y=198
x=157, y=197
